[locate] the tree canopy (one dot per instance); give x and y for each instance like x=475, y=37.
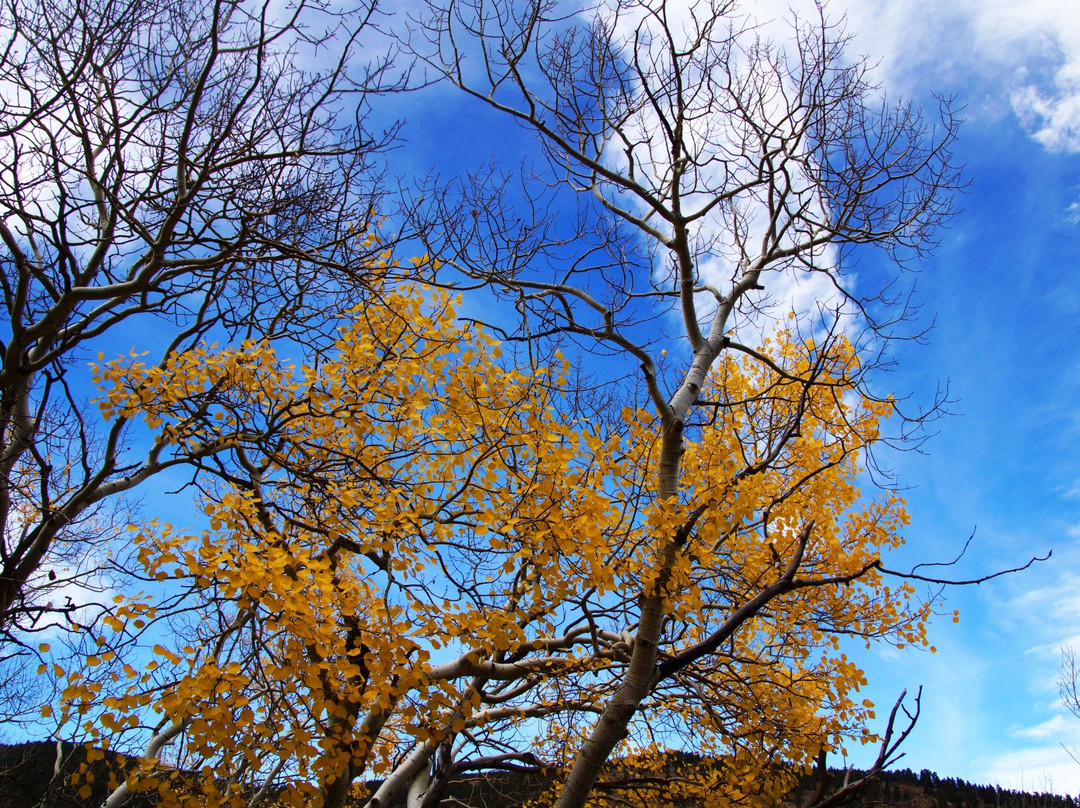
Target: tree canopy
x=421, y=559
x=431, y=534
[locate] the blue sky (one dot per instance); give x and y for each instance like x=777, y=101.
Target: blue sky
x=1002, y=290
x=1002, y=293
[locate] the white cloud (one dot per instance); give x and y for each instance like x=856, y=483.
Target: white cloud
x=1044, y=768
x=1053, y=120
x=1042, y=46
x=1046, y=612
x=1022, y=58
x=1054, y=728
x=732, y=233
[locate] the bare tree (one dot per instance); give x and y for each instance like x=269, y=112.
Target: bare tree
x=171, y=163
x=1069, y=682
x=713, y=166
x=169, y=173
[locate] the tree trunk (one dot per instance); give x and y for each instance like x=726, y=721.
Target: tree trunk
x=641, y=674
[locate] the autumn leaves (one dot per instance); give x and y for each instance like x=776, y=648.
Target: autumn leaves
x=411, y=543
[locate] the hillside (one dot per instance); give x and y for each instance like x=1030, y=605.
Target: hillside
x=906, y=789
x=29, y=779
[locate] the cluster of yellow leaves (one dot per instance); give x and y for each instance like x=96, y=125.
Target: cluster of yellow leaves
x=771, y=456
x=405, y=497
x=399, y=524
x=777, y=455
x=656, y=776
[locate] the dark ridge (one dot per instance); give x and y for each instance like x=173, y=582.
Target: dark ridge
x=30, y=778
x=906, y=789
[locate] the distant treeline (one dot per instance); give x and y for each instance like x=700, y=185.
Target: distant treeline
x=925, y=789
x=31, y=778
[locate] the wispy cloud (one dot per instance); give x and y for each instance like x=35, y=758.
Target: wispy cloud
x=1040, y=43
x=1019, y=57
x=1046, y=768
x=1057, y=728
x=1045, y=611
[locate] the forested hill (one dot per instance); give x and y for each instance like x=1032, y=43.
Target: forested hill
x=28, y=779
x=925, y=789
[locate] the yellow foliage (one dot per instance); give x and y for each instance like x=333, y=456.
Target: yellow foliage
x=408, y=530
